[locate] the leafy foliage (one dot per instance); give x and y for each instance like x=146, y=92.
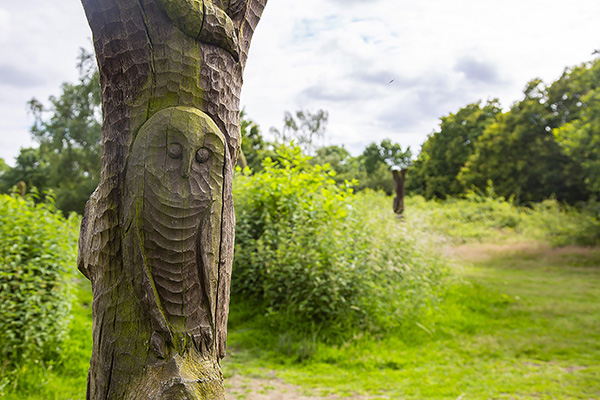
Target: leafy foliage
x=542, y=148
x=434, y=173
x=387, y=153
x=254, y=147
x=68, y=132
x=37, y=255
x=294, y=237
x=580, y=140
x=519, y=155
x=487, y=216
x=339, y=160
x=375, y=164
x=304, y=127
x=310, y=259
x=30, y=168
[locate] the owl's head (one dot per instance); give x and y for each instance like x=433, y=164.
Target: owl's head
x=182, y=149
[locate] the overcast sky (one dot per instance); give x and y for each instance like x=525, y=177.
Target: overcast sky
x=382, y=68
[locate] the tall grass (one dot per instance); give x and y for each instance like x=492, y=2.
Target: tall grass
x=480, y=217
x=315, y=262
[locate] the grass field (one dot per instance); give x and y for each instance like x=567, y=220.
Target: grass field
x=519, y=319
x=524, y=323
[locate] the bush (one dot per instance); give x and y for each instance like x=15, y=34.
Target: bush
x=314, y=258
x=37, y=255
x=295, y=252
x=563, y=225
x=473, y=217
x=487, y=216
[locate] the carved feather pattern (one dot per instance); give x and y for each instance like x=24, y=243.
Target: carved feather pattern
x=174, y=207
x=172, y=251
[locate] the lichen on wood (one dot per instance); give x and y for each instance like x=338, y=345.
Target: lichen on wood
x=157, y=234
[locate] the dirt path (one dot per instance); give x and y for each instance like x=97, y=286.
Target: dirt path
x=273, y=388
x=477, y=252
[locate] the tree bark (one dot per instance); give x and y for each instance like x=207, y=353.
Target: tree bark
x=157, y=234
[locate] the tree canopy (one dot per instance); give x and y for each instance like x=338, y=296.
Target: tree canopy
x=304, y=127
x=544, y=146
x=67, y=160
x=445, y=152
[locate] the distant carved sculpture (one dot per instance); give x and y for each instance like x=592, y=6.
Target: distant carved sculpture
x=157, y=234
x=399, y=180
x=21, y=188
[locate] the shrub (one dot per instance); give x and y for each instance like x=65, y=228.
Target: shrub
x=37, y=254
x=294, y=242
x=563, y=225
x=473, y=217
x=315, y=258
x=487, y=216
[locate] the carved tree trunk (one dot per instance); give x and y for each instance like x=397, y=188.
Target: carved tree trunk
x=399, y=180
x=157, y=234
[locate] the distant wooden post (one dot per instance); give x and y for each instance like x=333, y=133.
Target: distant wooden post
x=157, y=234
x=21, y=188
x=399, y=179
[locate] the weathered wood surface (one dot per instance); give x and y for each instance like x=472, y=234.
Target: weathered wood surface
x=399, y=187
x=157, y=234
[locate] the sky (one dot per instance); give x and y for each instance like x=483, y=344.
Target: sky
x=381, y=68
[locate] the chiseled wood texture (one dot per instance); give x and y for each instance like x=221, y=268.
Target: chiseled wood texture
x=157, y=234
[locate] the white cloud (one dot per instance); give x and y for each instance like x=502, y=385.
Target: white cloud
x=39, y=43
x=339, y=55
x=440, y=55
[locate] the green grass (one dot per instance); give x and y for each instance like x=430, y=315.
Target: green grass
x=480, y=218
x=524, y=326
x=518, y=319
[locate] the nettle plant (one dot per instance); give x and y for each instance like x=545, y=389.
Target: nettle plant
x=316, y=259
x=37, y=258
x=297, y=252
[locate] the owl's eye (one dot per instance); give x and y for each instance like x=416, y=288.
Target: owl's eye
x=202, y=155
x=175, y=150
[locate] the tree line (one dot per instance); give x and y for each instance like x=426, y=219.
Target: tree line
x=547, y=145
x=370, y=169
x=68, y=132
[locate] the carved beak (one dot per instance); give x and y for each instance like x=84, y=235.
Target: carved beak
x=186, y=164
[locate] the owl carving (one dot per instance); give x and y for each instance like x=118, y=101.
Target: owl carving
x=173, y=233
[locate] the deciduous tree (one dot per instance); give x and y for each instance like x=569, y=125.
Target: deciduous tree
x=519, y=156
x=444, y=153
x=67, y=160
x=304, y=127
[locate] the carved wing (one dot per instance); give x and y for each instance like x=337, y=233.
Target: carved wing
x=202, y=20
x=225, y=258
